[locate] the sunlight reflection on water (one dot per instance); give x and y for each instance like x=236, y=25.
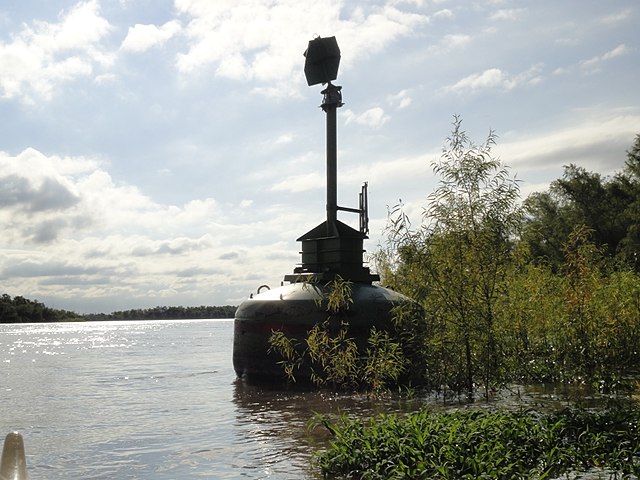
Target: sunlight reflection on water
x=135, y=400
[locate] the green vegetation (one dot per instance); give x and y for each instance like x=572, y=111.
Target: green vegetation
x=510, y=292
x=332, y=356
x=545, y=290
x=21, y=310
x=469, y=444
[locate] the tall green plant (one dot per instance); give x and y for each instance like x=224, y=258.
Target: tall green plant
x=333, y=358
x=579, y=326
x=601, y=338
x=527, y=315
x=583, y=277
x=454, y=263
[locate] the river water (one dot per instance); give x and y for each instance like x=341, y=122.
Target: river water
x=152, y=400
x=160, y=400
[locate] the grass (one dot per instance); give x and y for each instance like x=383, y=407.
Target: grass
x=475, y=443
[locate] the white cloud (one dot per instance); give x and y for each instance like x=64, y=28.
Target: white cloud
x=450, y=42
x=508, y=14
x=299, y=183
x=81, y=26
x=456, y=40
x=75, y=194
x=567, y=41
x=143, y=37
x=592, y=143
x=238, y=39
x=400, y=100
x=444, y=13
x=593, y=64
x=491, y=78
x=105, y=79
x=373, y=117
x=618, y=17
x=396, y=171
x=370, y=34
x=44, y=55
x=417, y=3
x=616, y=52
x=284, y=139
x=495, y=78
x=71, y=231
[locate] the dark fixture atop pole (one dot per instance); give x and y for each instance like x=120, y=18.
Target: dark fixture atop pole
x=322, y=60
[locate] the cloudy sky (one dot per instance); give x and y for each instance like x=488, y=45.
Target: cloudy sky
x=157, y=152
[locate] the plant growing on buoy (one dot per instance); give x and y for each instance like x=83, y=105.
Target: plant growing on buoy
x=333, y=357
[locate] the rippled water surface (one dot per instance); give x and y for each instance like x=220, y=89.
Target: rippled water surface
x=150, y=400
x=139, y=400
x=160, y=400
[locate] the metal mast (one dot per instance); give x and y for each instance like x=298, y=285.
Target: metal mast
x=331, y=101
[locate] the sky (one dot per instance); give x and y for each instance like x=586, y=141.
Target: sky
x=157, y=152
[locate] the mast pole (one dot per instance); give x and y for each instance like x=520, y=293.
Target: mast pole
x=332, y=100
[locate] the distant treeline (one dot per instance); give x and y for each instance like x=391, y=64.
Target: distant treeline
x=22, y=310
x=167, y=313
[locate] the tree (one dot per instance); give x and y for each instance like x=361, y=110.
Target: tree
x=629, y=248
x=455, y=262
x=547, y=225
x=610, y=207
x=600, y=319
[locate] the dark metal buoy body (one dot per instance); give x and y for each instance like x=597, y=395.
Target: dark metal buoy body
x=294, y=309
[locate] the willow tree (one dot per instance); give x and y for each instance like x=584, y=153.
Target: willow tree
x=608, y=206
x=454, y=263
